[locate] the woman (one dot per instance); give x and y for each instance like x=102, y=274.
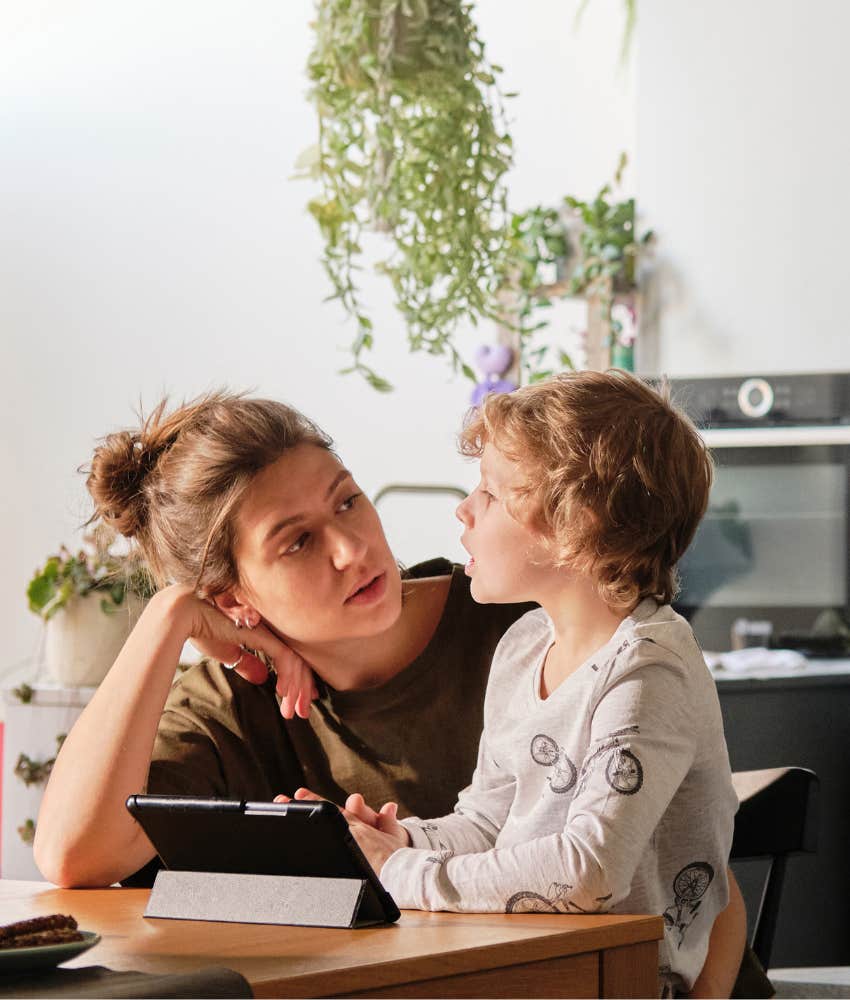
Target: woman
x=259, y=537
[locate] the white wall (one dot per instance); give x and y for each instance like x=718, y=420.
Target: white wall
x=743, y=157
x=152, y=241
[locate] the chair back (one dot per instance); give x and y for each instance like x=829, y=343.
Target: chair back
x=777, y=817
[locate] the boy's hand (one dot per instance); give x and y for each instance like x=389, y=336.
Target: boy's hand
x=359, y=815
x=384, y=820
x=376, y=845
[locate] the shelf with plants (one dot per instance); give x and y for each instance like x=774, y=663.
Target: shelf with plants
x=36, y=718
x=587, y=250
x=89, y=600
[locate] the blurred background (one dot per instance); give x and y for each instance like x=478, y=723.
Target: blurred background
x=153, y=241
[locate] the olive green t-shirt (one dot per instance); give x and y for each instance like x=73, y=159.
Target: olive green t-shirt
x=413, y=740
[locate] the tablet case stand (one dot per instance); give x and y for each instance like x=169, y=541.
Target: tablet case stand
x=264, y=899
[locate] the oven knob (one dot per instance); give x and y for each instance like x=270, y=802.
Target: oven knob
x=755, y=397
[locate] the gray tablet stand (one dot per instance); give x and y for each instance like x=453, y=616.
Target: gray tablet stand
x=264, y=899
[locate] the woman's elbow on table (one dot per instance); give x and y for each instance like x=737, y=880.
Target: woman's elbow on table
x=89, y=866
x=60, y=864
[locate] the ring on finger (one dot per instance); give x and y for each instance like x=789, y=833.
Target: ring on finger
x=235, y=664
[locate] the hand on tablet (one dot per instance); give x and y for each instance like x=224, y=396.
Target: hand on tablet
x=379, y=834
x=376, y=845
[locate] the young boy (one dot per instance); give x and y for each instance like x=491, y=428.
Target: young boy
x=603, y=779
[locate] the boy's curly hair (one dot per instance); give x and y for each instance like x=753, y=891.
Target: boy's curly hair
x=616, y=477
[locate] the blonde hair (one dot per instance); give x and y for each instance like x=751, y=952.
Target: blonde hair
x=174, y=484
x=616, y=477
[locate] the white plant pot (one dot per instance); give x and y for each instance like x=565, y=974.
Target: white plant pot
x=82, y=641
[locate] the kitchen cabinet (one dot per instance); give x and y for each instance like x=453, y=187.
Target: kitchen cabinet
x=801, y=719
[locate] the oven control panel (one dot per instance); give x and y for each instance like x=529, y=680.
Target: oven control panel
x=765, y=400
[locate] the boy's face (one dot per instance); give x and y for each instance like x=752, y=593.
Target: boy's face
x=509, y=560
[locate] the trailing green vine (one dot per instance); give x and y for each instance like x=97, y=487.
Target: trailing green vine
x=413, y=143
x=630, y=10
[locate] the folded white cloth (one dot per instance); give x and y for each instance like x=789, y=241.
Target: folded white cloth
x=756, y=658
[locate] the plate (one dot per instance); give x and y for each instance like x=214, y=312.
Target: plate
x=44, y=956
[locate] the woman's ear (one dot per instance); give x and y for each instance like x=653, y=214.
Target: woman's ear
x=242, y=615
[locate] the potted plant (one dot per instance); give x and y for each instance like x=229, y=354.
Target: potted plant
x=542, y=246
x=589, y=250
x=413, y=144
x=90, y=600
x=606, y=271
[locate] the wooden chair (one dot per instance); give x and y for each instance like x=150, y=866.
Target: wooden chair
x=777, y=818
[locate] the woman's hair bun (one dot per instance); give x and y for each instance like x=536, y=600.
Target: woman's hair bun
x=116, y=477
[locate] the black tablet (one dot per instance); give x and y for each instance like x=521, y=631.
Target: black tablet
x=260, y=838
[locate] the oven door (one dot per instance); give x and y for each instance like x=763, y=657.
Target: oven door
x=773, y=543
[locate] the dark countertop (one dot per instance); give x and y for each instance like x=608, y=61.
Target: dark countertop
x=816, y=673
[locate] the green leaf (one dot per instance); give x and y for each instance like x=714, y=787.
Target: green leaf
x=378, y=383
x=39, y=592
x=24, y=693
x=60, y=598
x=26, y=831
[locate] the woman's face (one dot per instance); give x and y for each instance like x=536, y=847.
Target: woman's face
x=311, y=552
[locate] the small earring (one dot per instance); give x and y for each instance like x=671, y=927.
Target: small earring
x=238, y=623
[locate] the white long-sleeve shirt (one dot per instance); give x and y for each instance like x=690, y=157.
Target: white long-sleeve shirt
x=612, y=794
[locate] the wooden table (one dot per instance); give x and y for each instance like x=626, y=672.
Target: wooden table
x=423, y=955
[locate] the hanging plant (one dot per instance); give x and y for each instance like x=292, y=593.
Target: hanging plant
x=630, y=10
x=412, y=143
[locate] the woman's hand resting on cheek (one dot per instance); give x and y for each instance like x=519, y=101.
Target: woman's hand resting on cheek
x=216, y=636
x=378, y=834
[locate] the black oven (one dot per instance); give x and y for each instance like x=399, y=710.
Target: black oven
x=773, y=546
